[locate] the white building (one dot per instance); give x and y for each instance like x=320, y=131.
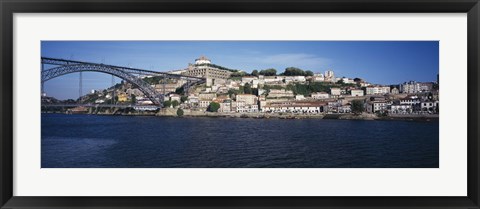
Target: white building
x=410, y=87
x=225, y=106
x=295, y=107
x=249, y=99
x=356, y=92
x=410, y=100
x=381, y=90
x=280, y=93
x=204, y=103
x=400, y=108
x=377, y=106
x=395, y=91
x=318, y=77
x=207, y=96
x=329, y=76
x=320, y=95
x=248, y=79
x=348, y=81
x=335, y=91
x=429, y=106
x=202, y=60
x=299, y=97
x=174, y=97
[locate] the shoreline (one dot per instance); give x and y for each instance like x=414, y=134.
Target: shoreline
x=329, y=116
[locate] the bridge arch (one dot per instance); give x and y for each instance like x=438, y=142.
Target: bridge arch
x=143, y=86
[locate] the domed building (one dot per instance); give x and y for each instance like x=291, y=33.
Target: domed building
x=203, y=67
x=202, y=60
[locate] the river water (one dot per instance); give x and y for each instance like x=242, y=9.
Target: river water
x=92, y=141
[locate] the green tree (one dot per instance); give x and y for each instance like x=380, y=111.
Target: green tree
x=179, y=90
x=308, y=73
x=175, y=103
x=340, y=82
x=238, y=74
x=179, y=112
x=167, y=103
x=255, y=72
x=293, y=71
x=357, y=107
x=268, y=72
x=247, y=89
x=232, y=92
x=183, y=99
x=213, y=107
x=133, y=98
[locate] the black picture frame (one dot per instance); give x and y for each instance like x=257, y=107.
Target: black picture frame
x=9, y=7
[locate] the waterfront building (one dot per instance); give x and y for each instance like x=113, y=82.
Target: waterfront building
x=204, y=103
x=320, y=95
x=373, y=90
x=295, y=107
x=400, y=109
x=345, y=108
x=356, y=92
x=410, y=100
x=238, y=106
x=249, y=99
x=225, y=106
x=377, y=106
x=429, y=106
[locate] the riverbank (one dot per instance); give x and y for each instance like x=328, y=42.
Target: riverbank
x=172, y=112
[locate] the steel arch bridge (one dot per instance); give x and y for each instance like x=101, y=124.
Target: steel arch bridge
x=132, y=75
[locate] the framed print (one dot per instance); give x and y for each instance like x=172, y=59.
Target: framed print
x=266, y=104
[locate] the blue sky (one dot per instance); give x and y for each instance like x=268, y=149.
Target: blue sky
x=381, y=62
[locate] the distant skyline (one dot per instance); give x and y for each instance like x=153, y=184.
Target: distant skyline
x=378, y=62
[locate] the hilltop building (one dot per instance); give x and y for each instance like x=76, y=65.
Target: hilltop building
x=204, y=68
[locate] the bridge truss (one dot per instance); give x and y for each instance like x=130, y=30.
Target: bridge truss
x=131, y=75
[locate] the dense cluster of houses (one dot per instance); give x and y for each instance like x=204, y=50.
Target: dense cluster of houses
x=375, y=98
x=231, y=95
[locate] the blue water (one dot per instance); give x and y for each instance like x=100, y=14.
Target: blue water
x=91, y=141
